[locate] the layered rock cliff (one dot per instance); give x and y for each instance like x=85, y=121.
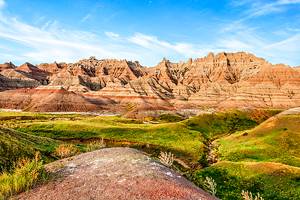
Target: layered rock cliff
x=221, y=80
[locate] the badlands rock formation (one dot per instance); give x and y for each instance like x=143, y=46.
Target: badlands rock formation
x=223, y=80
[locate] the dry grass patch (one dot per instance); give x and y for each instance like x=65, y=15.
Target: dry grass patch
x=249, y=196
x=25, y=174
x=95, y=145
x=66, y=150
x=166, y=158
x=210, y=185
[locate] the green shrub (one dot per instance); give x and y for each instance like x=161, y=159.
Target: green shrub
x=170, y=118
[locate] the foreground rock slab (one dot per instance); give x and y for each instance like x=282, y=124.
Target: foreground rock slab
x=114, y=173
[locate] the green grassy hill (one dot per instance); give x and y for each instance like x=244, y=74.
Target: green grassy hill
x=222, y=123
x=264, y=159
x=276, y=140
x=15, y=145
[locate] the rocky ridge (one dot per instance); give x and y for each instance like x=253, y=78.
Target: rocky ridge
x=221, y=80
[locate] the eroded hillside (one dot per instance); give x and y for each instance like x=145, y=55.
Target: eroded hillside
x=222, y=80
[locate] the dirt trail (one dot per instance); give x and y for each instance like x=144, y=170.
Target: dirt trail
x=114, y=173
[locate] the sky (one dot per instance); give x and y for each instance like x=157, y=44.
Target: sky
x=40, y=31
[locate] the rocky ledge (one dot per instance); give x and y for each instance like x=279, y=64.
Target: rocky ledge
x=114, y=173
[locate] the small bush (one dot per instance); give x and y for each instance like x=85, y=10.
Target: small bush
x=210, y=185
x=166, y=158
x=248, y=196
x=25, y=174
x=92, y=146
x=66, y=150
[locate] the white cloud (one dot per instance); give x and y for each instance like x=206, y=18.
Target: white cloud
x=50, y=42
x=112, y=35
x=155, y=44
x=288, y=45
x=2, y=4
x=285, y=51
x=242, y=37
x=286, y=2
x=86, y=17
x=262, y=7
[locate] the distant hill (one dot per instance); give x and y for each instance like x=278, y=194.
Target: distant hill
x=222, y=80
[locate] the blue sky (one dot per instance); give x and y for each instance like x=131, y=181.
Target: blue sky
x=148, y=30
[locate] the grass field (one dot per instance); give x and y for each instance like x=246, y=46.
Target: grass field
x=186, y=138
x=254, y=154
x=176, y=137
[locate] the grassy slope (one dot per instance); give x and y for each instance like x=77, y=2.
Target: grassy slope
x=276, y=140
x=15, y=145
x=215, y=125
x=265, y=160
x=272, y=180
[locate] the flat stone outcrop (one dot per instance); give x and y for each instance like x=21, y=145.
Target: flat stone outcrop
x=114, y=173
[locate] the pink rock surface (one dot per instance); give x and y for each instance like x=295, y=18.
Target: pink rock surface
x=115, y=173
